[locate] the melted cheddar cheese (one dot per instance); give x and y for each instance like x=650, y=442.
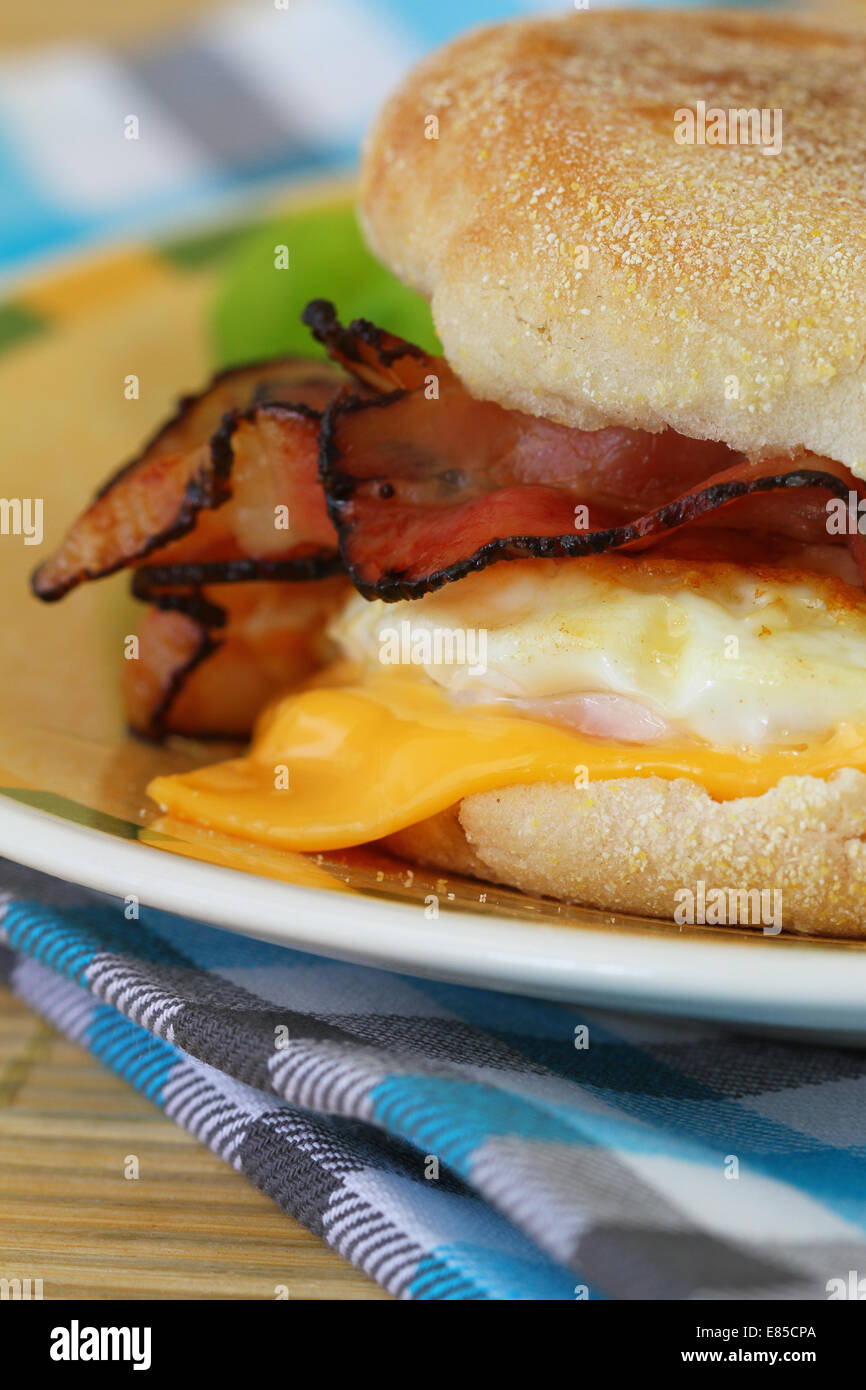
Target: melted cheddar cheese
x=341, y=765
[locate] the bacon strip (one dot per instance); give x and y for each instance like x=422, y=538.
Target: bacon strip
x=149, y=582
x=255, y=645
x=374, y=357
x=423, y=484
x=172, y=643
x=424, y=489
x=245, y=444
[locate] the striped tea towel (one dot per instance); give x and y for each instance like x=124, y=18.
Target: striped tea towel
x=456, y=1143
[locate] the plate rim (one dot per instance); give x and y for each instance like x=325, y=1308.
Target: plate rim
x=806, y=988
x=660, y=973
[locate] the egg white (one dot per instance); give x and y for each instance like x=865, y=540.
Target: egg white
x=728, y=655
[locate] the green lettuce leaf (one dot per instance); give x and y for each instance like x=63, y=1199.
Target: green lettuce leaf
x=258, y=305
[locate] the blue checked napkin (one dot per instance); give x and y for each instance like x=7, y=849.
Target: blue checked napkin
x=456, y=1143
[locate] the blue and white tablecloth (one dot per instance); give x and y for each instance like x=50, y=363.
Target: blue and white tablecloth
x=456, y=1143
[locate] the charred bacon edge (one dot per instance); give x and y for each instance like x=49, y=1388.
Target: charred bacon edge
x=339, y=485
x=193, y=605
x=205, y=616
x=342, y=344
x=185, y=404
x=208, y=489
x=393, y=586
x=221, y=447
x=149, y=580
x=182, y=594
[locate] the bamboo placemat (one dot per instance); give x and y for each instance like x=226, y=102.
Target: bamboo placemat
x=188, y=1227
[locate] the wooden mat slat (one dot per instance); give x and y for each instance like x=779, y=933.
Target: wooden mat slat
x=188, y=1227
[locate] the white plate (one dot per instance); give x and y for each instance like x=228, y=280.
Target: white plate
x=63, y=746
x=798, y=986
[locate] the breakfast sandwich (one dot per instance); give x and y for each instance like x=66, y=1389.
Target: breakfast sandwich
x=577, y=607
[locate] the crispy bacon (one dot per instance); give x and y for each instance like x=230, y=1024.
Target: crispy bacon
x=244, y=445
x=173, y=641
x=150, y=582
x=243, y=489
x=221, y=508
x=255, y=644
x=375, y=358
x=424, y=488
x=275, y=510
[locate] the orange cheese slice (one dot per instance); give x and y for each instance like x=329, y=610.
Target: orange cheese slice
x=337, y=766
